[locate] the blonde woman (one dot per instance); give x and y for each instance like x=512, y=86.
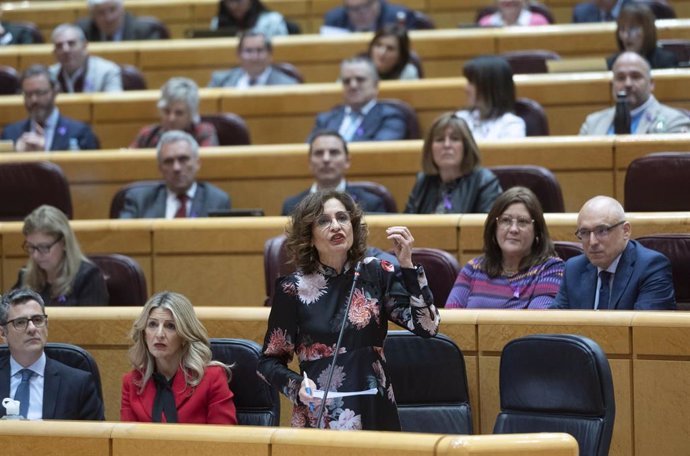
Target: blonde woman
x=174, y=379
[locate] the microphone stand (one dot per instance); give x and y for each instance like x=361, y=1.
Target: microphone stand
x=358, y=271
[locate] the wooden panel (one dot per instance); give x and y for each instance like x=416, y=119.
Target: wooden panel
x=44, y=437
x=542, y=444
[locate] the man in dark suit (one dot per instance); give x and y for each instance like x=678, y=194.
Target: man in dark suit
x=361, y=117
x=46, y=388
x=368, y=15
x=108, y=21
x=14, y=34
x=615, y=272
x=328, y=161
x=179, y=195
x=46, y=129
x=598, y=10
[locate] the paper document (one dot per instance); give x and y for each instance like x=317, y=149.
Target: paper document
x=337, y=394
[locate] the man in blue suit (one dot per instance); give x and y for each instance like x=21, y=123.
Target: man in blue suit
x=615, y=272
x=46, y=129
x=369, y=16
x=48, y=389
x=361, y=117
x=598, y=10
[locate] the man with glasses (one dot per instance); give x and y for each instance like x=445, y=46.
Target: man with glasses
x=615, y=272
x=361, y=117
x=368, y=15
x=46, y=129
x=46, y=388
x=108, y=21
x=255, y=53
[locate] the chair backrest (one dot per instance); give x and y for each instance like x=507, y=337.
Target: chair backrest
x=290, y=70
x=676, y=247
x=26, y=185
x=440, y=406
x=118, y=201
x=557, y=383
x=232, y=130
x=416, y=60
x=422, y=21
x=529, y=61
x=293, y=27
x=9, y=80
x=536, y=122
x=379, y=190
x=33, y=29
x=124, y=278
x=132, y=78
x=661, y=9
x=71, y=355
x=412, y=130
x=533, y=7
x=538, y=179
x=567, y=249
x=658, y=183
x=256, y=403
x=157, y=25
x=681, y=49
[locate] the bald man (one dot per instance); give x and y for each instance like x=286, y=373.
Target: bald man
x=615, y=272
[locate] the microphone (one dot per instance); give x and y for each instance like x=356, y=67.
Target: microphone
x=621, y=119
x=358, y=271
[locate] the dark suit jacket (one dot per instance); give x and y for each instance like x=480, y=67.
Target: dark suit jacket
x=66, y=129
x=149, y=202
x=366, y=200
x=642, y=281
x=20, y=35
x=589, y=12
x=337, y=17
x=133, y=29
x=383, y=122
x=210, y=402
x=88, y=288
x=68, y=393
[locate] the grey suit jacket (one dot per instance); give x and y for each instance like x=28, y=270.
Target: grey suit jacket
x=132, y=29
x=230, y=78
x=101, y=75
x=657, y=118
x=149, y=202
x=384, y=122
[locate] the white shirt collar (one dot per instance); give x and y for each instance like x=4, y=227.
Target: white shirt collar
x=342, y=185
x=38, y=367
x=365, y=109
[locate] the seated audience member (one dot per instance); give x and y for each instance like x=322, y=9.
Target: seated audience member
x=361, y=117
x=14, y=34
x=174, y=379
x=328, y=161
x=390, y=52
x=368, y=16
x=490, y=89
x=632, y=76
x=519, y=268
x=57, y=269
x=256, y=56
x=452, y=180
x=180, y=195
x=615, y=272
x=178, y=106
x=245, y=15
x=45, y=388
x=512, y=12
x=636, y=32
x=76, y=70
x=45, y=128
x=598, y=10
x=108, y=21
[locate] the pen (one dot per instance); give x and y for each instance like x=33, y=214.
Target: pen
x=308, y=389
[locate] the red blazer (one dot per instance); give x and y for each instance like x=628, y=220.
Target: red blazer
x=209, y=402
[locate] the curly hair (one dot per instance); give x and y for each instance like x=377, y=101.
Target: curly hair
x=300, y=231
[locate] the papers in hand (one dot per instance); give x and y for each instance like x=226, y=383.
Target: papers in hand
x=337, y=394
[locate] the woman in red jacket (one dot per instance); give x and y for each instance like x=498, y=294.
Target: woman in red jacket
x=174, y=379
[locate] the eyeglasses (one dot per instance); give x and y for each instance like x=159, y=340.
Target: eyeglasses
x=357, y=79
x=40, y=248
x=37, y=93
x=325, y=221
x=630, y=31
x=506, y=222
x=600, y=232
x=20, y=324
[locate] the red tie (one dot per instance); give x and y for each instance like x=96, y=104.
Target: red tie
x=182, y=210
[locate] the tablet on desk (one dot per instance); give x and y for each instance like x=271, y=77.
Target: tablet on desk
x=254, y=212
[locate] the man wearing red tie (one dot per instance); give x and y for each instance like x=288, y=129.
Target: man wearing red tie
x=179, y=195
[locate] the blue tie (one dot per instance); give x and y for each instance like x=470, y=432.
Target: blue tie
x=22, y=395
x=605, y=290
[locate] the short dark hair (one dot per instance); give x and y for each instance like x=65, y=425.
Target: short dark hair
x=333, y=133
x=252, y=33
x=493, y=78
x=38, y=70
x=640, y=15
x=16, y=297
x=398, y=32
x=470, y=157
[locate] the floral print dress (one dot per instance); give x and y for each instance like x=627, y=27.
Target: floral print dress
x=306, y=317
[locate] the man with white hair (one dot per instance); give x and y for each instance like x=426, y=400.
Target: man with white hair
x=108, y=21
x=76, y=70
x=615, y=272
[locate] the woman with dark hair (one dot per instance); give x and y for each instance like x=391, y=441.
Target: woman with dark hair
x=519, y=268
x=390, y=52
x=326, y=240
x=491, y=99
x=636, y=32
x=244, y=15
x=452, y=180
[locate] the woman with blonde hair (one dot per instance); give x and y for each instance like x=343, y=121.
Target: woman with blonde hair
x=57, y=269
x=174, y=379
